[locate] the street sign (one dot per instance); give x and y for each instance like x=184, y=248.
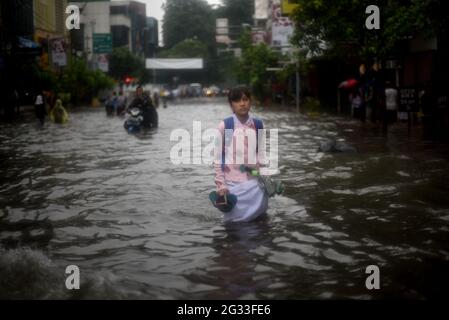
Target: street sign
x=408, y=99
x=102, y=42
x=392, y=64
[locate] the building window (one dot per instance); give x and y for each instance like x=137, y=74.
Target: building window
x=120, y=36
x=119, y=10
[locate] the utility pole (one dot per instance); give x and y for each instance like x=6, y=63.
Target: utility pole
x=295, y=59
x=154, y=71
x=93, y=61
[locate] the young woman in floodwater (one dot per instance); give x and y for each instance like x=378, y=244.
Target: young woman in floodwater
x=234, y=179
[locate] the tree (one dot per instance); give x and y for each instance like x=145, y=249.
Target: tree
x=188, y=19
x=124, y=63
x=192, y=48
x=188, y=48
x=238, y=11
x=341, y=25
x=252, y=67
x=81, y=83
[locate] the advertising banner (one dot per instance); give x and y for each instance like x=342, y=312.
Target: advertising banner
x=58, y=52
x=261, y=9
x=103, y=62
x=174, y=63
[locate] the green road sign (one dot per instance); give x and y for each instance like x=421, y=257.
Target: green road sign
x=102, y=42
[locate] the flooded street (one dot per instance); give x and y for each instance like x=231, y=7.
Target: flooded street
x=139, y=227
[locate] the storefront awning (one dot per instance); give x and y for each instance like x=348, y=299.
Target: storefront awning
x=26, y=43
x=28, y=47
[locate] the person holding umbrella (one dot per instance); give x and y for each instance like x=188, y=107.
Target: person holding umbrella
x=348, y=85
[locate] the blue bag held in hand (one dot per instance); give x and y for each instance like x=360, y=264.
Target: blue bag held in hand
x=225, y=203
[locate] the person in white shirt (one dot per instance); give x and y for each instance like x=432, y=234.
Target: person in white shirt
x=391, y=99
x=39, y=107
x=356, y=104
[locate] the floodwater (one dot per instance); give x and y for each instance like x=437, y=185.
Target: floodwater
x=139, y=227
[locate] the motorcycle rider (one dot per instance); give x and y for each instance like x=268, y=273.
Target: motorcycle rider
x=144, y=103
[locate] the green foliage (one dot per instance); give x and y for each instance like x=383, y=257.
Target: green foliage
x=188, y=19
x=81, y=83
x=238, y=12
x=65, y=98
x=341, y=25
x=100, y=81
x=188, y=48
x=225, y=63
x=189, y=32
x=251, y=68
x=45, y=78
x=124, y=63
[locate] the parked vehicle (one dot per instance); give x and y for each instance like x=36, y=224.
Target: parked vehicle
x=196, y=89
x=212, y=91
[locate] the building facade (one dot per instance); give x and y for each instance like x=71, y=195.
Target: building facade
x=50, y=32
x=125, y=21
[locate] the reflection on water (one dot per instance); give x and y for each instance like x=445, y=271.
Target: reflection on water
x=89, y=194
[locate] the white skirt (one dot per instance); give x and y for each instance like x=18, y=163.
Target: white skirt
x=252, y=201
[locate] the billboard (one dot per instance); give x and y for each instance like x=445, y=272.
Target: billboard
x=261, y=9
x=282, y=27
x=288, y=6
x=103, y=62
x=58, y=52
x=222, y=26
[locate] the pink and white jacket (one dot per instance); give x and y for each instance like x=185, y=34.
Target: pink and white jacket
x=232, y=171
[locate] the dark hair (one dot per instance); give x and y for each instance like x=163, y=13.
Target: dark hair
x=235, y=94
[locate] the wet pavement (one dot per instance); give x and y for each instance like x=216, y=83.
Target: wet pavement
x=139, y=227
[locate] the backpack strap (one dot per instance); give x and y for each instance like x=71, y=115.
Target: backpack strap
x=259, y=126
x=258, y=123
x=229, y=124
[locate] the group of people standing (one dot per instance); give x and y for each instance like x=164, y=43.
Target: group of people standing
x=378, y=100
x=116, y=104
x=374, y=98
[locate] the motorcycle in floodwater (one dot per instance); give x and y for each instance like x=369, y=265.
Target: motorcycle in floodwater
x=134, y=121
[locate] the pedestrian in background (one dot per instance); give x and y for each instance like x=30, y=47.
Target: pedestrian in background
x=356, y=104
x=121, y=104
x=39, y=107
x=58, y=114
x=111, y=104
x=391, y=106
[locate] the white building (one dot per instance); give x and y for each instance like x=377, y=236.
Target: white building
x=125, y=21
